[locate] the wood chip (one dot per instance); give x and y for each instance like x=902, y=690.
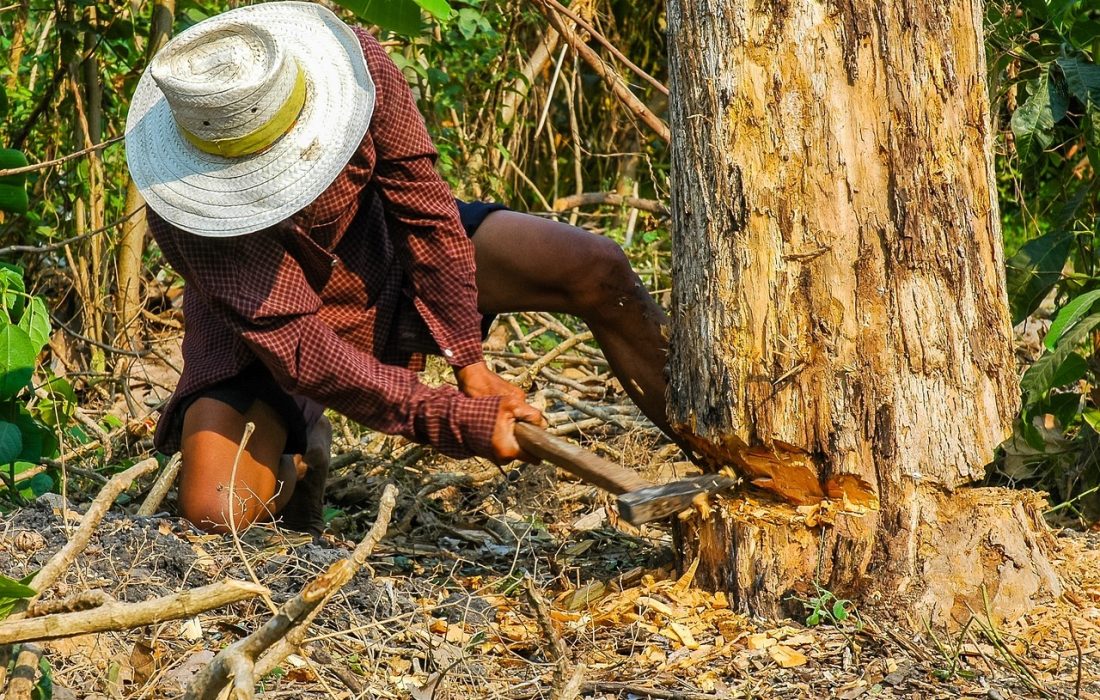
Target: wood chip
x=786, y=657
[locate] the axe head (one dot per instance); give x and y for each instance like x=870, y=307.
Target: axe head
x=657, y=502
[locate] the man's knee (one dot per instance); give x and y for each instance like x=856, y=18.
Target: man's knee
x=604, y=279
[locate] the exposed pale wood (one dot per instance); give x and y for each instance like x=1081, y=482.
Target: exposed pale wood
x=839, y=283
x=975, y=540
x=123, y=616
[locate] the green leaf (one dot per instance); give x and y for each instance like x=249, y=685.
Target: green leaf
x=10, y=588
x=1064, y=407
x=1034, y=270
x=43, y=690
x=38, y=440
x=840, y=613
x=13, y=291
x=3, y=102
x=439, y=9
x=1092, y=417
x=813, y=620
x=13, y=188
x=39, y=484
x=401, y=16
x=1082, y=79
x=1034, y=119
x=17, y=356
x=1072, y=368
x=11, y=442
x=35, y=321
x=1040, y=377
x=1069, y=315
x=1091, y=124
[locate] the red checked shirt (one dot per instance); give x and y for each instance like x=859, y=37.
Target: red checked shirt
x=326, y=298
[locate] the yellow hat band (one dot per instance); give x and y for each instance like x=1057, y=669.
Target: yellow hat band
x=261, y=138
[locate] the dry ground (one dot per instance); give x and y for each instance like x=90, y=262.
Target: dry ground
x=518, y=583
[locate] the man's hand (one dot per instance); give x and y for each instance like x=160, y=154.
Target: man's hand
x=478, y=380
x=511, y=411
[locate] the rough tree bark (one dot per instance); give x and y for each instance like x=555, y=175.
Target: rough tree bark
x=839, y=298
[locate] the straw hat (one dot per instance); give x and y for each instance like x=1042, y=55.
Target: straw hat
x=246, y=117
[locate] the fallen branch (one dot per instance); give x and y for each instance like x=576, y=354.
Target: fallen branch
x=241, y=662
x=536, y=367
x=612, y=198
x=160, y=487
x=21, y=685
x=124, y=616
x=614, y=80
x=568, y=676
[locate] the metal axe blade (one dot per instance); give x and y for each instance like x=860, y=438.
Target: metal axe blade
x=663, y=500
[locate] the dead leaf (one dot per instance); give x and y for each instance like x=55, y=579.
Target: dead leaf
x=786, y=657
x=143, y=660
x=182, y=675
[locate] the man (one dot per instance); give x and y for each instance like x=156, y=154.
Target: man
x=291, y=182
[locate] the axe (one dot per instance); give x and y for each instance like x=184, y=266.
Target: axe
x=640, y=501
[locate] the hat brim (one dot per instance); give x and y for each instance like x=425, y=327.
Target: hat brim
x=209, y=195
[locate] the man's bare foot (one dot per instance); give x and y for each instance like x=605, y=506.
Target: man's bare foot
x=305, y=509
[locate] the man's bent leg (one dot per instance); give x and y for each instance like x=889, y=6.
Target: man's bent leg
x=526, y=263
x=212, y=433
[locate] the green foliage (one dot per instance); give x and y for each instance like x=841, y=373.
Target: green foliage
x=12, y=591
x=27, y=422
x=13, y=188
x=401, y=16
x=1045, y=85
x=826, y=608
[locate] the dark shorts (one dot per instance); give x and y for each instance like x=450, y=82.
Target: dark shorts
x=256, y=383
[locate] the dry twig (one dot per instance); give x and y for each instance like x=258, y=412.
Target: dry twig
x=241, y=662
x=612, y=198
x=160, y=487
x=613, y=79
x=568, y=676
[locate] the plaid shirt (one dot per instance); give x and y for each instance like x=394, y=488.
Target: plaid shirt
x=326, y=298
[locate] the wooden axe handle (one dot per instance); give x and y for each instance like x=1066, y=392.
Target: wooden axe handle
x=578, y=461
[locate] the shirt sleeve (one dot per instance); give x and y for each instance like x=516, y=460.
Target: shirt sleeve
x=264, y=295
x=422, y=216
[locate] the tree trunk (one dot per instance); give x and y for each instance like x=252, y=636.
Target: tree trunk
x=839, y=298
x=131, y=245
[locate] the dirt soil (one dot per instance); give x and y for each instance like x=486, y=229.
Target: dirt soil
x=443, y=609
x=443, y=613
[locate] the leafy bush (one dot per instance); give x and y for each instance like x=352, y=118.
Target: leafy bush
x=1046, y=86
x=29, y=420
